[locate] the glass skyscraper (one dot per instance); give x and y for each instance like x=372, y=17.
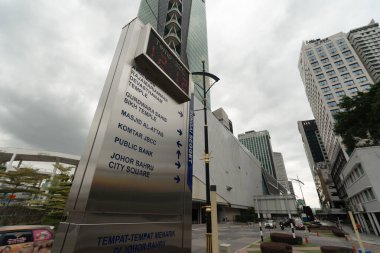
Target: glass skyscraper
x=258, y=143
x=183, y=26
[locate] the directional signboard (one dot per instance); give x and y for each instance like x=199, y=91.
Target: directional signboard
x=132, y=191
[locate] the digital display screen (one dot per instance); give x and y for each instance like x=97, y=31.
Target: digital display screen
x=160, y=54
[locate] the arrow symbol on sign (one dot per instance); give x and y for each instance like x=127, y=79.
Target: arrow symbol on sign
x=178, y=164
x=179, y=144
x=177, y=179
x=178, y=153
x=179, y=132
x=180, y=114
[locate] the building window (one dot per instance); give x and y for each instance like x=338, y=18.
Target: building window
x=327, y=67
x=330, y=73
x=353, y=90
x=362, y=79
x=370, y=192
x=339, y=63
x=310, y=52
x=346, y=76
x=312, y=58
x=332, y=51
x=335, y=111
x=333, y=79
x=367, y=195
x=321, y=83
x=329, y=96
x=342, y=69
x=322, y=54
x=358, y=72
x=350, y=59
x=314, y=64
x=335, y=57
x=337, y=86
x=325, y=89
x=320, y=76
x=343, y=46
x=360, y=169
x=366, y=87
x=349, y=83
x=318, y=70
x=347, y=53
x=332, y=104
x=325, y=60
x=329, y=45
x=340, y=41
x=340, y=93
x=354, y=65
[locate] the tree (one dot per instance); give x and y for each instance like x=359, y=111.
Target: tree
x=58, y=192
x=20, y=180
x=358, y=123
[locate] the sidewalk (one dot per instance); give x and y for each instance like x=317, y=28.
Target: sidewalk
x=370, y=241
x=366, y=238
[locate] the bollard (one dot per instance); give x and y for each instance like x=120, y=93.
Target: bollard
x=225, y=248
x=306, y=239
x=317, y=233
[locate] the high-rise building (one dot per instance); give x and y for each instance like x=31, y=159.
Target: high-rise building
x=183, y=26
x=366, y=42
x=319, y=165
x=331, y=69
x=258, y=143
x=279, y=165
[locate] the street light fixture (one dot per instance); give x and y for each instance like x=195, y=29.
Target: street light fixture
x=299, y=183
x=206, y=156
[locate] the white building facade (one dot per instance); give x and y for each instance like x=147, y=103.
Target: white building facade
x=361, y=179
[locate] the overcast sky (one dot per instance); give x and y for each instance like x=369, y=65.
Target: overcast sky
x=55, y=55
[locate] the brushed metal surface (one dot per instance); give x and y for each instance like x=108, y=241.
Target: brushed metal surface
x=132, y=177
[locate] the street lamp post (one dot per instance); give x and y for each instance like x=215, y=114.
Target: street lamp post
x=206, y=156
x=299, y=183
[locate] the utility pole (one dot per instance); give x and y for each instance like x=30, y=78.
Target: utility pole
x=207, y=157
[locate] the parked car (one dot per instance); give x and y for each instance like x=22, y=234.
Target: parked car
x=298, y=224
x=270, y=224
x=26, y=239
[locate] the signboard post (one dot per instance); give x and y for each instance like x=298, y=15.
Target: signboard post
x=131, y=191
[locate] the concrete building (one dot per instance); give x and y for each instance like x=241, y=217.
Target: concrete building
x=233, y=169
x=366, y=42
x=259, y=144
x=319, y=165
x=279, y=165
x=330, y=69
x=222, y=116
x=361, y=177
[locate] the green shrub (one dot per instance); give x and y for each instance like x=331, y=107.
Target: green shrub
x=338, y=232
x=275, y=247
x=286, y=238
x=335, y=249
